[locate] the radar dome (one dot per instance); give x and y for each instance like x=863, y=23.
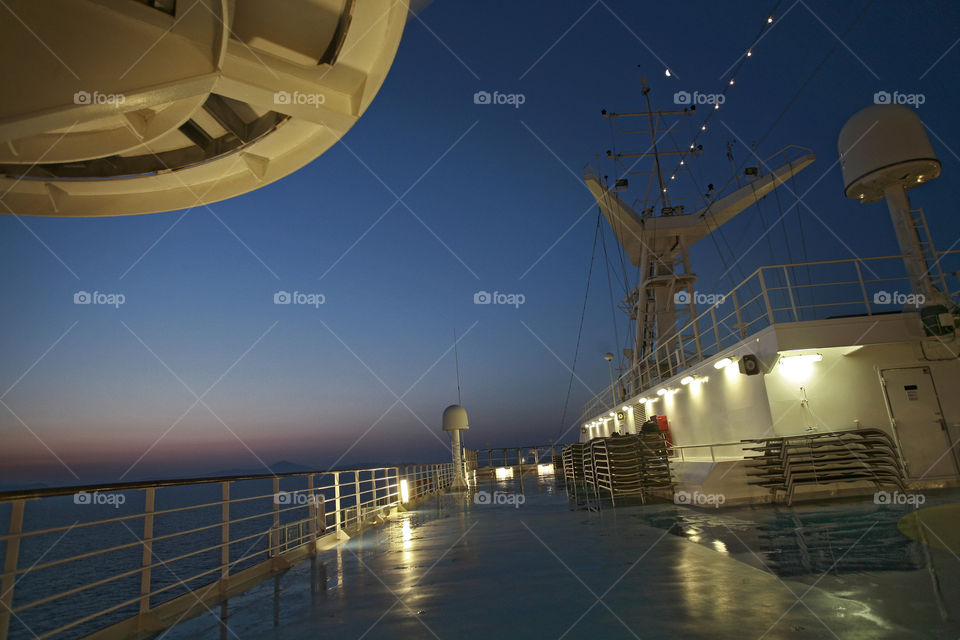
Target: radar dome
x=454, y=418
x=884, y=145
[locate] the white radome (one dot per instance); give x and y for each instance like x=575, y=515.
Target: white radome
x=883, y=145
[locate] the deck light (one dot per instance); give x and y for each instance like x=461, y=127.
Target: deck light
x=404, y=491
x=626, y=408
x=722, y=363
x=805, y=358
x=661, y=392
x=686, y=380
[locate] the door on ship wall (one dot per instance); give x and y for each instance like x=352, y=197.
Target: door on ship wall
x=918, y=422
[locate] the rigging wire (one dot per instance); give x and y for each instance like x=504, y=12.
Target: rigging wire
x=613, y=309
x=583, y=313
x=456, y=358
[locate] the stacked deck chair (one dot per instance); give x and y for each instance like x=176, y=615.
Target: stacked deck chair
x=557, y=462
x=572, y=456
x=630, y=465
x=783, y=463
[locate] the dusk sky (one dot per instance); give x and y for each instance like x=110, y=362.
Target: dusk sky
x=427, y=200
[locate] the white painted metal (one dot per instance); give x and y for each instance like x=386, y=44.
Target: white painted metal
x=166, y=111
x=918, y=423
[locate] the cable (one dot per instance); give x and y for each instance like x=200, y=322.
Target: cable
x=583, y=313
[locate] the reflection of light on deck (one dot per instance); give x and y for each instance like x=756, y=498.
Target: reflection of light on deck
x=504, y=472
x=407, y=533
x=719, y=546
x=545, y=468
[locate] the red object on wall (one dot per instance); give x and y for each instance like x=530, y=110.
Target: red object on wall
x=664, y=426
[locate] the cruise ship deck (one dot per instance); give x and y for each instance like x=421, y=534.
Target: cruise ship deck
x=536, y=566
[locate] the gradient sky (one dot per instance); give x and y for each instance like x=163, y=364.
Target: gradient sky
x=316, y=386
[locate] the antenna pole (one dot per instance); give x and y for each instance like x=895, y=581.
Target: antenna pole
x=456, y=357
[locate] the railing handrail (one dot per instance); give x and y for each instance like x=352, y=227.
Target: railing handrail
x=27, y=494
x=667, y=342
x=384, y=488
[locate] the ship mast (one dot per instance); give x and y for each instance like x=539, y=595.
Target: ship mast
x=658, y=239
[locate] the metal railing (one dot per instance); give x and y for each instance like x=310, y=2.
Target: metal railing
x=70, y=570
x=693, y=452
x=794, y=292
x=515, y=456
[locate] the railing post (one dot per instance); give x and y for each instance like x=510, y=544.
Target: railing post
x=224, y=534
x=336, y=499
x=356, y=478
x=766, y=296
x=793, y=304
x=863, y=287
x=312, y=510
x=275, y=534
x=716, y=327
x=10, y=566
x=736, y=308
x=146, y=559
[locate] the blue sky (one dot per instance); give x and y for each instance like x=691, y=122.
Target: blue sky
x=492, y=200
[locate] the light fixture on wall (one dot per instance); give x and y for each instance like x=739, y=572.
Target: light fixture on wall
x=723, y=363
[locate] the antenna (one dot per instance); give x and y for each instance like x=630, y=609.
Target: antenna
x=456, y=357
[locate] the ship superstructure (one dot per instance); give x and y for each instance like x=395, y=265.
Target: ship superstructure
x=796, y=348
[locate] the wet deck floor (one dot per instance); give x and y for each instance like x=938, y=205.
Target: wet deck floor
x=457, y=569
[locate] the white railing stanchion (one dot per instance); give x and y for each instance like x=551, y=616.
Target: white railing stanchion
x=356, y=478
x=336, y=500
x=312, y=511
x=146, y=557
x=224, y=535
x=793, y=304
x=10, y=566
x=275, y=534
x=863, y=288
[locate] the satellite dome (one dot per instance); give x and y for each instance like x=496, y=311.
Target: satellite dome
x=884, y=145
x=455, y=418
